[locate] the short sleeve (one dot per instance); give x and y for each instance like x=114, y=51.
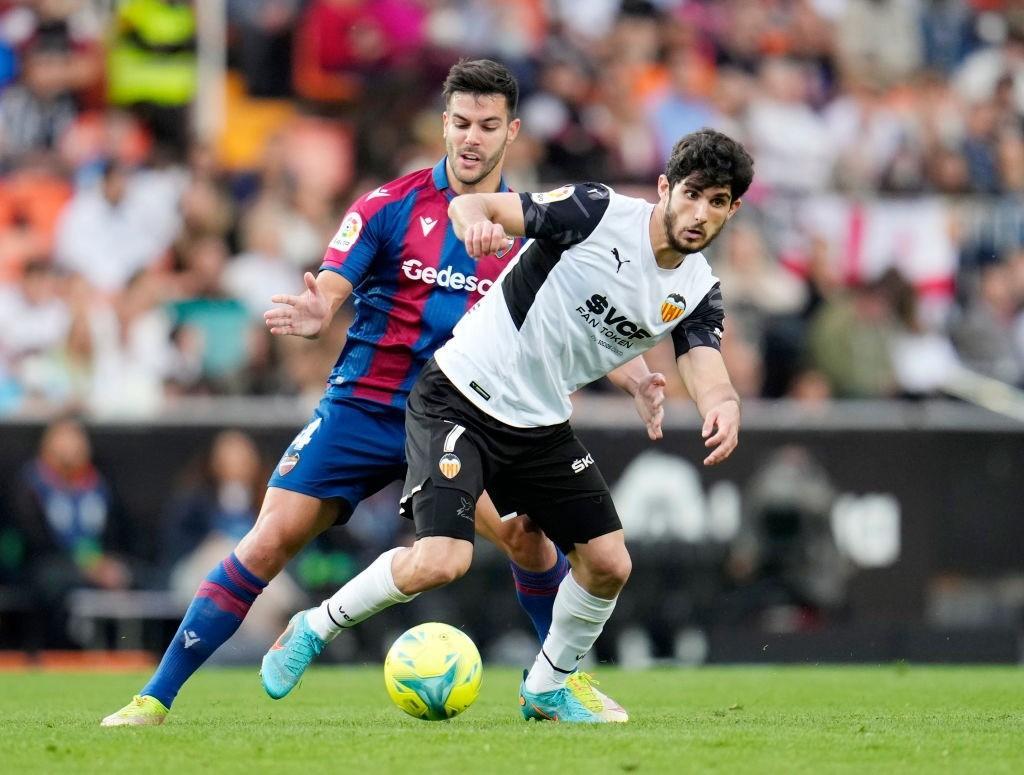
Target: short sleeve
x=567, y=215
x=361, y=234
x=704, y=326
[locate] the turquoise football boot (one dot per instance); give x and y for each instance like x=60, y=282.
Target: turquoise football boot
x=583, y=687
x=288, y=658
x=558, y=705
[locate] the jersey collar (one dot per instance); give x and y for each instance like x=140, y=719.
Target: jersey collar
x=441, y=179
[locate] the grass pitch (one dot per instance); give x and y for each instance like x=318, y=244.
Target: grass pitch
x=786, y=720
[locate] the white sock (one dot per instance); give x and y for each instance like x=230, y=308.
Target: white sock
x=577, y=619
x=369, y=593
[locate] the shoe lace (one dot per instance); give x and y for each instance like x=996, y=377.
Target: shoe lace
x=301, y=651
x=581, y=687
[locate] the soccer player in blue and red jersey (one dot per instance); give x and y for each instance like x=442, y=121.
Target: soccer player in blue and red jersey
x=396, y=252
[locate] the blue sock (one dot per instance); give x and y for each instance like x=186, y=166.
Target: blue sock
x=536, y=592
x=220, y=605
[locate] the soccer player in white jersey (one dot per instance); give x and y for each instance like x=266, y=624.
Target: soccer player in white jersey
x=603, y=279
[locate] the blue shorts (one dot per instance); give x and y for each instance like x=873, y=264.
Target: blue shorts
x=349, y=450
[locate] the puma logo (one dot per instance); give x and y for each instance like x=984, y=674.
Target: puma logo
x=619, y=261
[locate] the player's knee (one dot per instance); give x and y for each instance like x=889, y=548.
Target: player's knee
x=264, y=552
x=438, y=572
x=610, y=571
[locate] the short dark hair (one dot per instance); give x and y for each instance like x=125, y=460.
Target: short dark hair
x=482, y=76
x=709, y=158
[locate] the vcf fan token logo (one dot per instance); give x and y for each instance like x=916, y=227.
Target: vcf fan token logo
x=673, y=307
x=450, y=465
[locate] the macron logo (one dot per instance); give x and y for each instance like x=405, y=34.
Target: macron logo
x=378, y=192
x=427, y=224
x=190, y=638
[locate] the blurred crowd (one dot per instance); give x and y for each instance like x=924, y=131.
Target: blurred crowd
x=880, y=252
x=64, y=526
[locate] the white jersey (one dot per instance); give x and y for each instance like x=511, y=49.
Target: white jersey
x=584, y=297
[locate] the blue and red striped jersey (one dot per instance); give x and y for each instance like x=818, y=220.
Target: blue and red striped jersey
x=413, y=280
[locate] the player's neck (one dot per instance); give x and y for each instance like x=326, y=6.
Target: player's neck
x=490, y=184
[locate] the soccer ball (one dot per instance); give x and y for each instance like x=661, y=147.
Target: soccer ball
x=433, y=671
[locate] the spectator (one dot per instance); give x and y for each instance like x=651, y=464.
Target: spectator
x=684, y=105
x=618, y=121
x=983, y=333
x=789, y=139
x=556, y=115
x=31, y=200
x=36, y=112
x=68, y=517
x=881, y=41
x=208, y=517
x=866, y=133
x=33, y=316
x=265, y=43
x=217, y=501
x=110, y=231
x=979, y=76
x=764, y=303
x=262, y=270
x=849, y=341
x=207, y=209
x=216, y=323
x=341, y=43
x=130, y=354
x=151, y=67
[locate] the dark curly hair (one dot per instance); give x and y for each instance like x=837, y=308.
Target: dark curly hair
x=709, y=158
x=482, y=76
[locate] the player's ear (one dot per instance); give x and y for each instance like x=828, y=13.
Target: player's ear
x=663, y=187
x=444, y=124
x=733, y=208
x=513, y=130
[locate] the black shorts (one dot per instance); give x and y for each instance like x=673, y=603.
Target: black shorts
x=455, y=452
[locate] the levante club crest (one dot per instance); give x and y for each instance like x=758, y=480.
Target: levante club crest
x=288, y=462
x=673, y=307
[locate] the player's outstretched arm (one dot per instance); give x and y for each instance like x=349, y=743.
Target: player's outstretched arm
x=648, y=391
x=310, y=312
x=704, y=373
x=485, y=221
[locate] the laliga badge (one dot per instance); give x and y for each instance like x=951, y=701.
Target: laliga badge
x=547, y=197
x=450, y=465
x=348, y=232
x=288, y=462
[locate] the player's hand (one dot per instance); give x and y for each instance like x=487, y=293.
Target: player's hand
x=484, y=238
x=650, y=403
x=302, y=315
x=721, y=431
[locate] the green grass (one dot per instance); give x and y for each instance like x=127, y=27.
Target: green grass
x=729, y=720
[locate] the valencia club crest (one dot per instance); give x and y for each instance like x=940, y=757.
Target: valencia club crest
x=450, y=465
x=673, y=307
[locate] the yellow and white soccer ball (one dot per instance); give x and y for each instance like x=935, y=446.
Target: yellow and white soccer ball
x=433, y=671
